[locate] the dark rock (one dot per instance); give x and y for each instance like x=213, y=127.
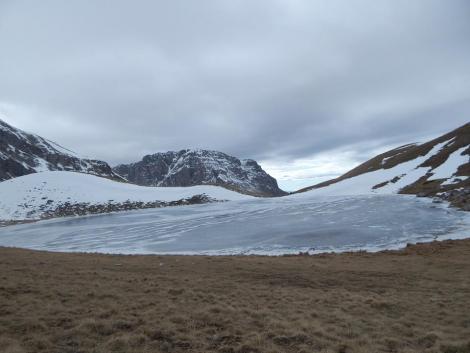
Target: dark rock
x=201, y=167
x=68, y=209
x=459, y=198
x=22, y=153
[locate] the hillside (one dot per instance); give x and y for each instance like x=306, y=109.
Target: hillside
x=22, y=153
x=201, y=167
x=52, y=194
x=438, y=167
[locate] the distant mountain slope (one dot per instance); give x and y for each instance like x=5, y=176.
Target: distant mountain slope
x=201, y=167
x=22, y=153
x=55, y=194
x=440, y=166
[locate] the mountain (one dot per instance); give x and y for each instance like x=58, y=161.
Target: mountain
x=440, y=167
x=22, y=153
x=201, y=167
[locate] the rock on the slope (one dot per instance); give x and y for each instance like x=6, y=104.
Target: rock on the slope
x=458, y=197
x=432, y=168
x=201, y=167
x=68, y=209
x=22, y=153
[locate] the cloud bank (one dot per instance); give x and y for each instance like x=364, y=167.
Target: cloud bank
x=284, y=82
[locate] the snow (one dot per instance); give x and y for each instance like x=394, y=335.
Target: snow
x=61, y=149
x=450, y=166
x=7, y=128
x=407, y=172
x=347, y=216
x=451, y=142
x=384, y=161
x=35, y=159
x=212, y=160
x=268, y=226
x=41, y=165
x=221, y=167
x=28, y=193
x=455, y=180
x=47, y=145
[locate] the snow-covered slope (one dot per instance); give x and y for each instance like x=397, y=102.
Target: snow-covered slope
x=22, y=153
x=438, y=166
x=31, y=196
x=201, y=167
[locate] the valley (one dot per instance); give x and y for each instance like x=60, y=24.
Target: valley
x=215, y=210
x=235, y=176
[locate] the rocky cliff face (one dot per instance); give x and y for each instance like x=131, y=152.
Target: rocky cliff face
x=201, y=167
x=22, y=153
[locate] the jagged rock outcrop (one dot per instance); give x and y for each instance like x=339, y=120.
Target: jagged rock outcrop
x=22, y=153
x=201, y=167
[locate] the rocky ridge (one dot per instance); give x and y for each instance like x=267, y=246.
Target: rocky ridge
x=201, y=167
x=22, y=153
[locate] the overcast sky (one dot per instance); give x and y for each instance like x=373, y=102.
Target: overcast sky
x=308, y=88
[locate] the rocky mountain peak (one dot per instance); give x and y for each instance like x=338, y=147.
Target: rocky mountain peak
x=190, y=167
x=22, y=153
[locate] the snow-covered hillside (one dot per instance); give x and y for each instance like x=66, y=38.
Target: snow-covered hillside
x=433, y=168
x=398, y=177
x=32, y=196
x=201, y=167
x=22, y=153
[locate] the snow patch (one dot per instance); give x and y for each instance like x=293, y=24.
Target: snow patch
x=406, y=173
x=27, y=197
x=450, y=166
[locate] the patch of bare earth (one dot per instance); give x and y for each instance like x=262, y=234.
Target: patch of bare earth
x=415, y=300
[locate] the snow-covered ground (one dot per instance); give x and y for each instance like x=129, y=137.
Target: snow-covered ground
x=406, y=173
x=252, y=226
x=29, y=196
x=446, y=169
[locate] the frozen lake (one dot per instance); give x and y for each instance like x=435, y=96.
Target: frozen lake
x=260, y=226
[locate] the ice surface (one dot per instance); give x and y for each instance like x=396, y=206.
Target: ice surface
x=254, y=226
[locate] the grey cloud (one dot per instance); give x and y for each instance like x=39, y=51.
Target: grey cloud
x=271, y=80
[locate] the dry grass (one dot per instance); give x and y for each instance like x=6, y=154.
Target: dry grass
x=417, y=300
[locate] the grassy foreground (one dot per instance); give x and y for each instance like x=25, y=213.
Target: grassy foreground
x=415, y=300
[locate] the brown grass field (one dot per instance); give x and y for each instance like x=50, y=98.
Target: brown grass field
x=414, y=300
